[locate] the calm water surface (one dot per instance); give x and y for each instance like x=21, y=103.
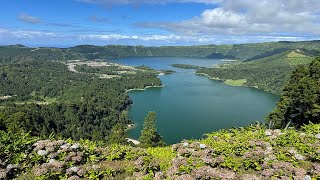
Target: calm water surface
x=191, y=105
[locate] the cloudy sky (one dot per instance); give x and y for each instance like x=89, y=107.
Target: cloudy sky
x=157, y=22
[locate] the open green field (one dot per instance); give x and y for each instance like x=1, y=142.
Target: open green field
x=237, y=82
x=296, y=58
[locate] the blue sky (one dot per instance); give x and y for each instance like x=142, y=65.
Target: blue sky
x=156, y=22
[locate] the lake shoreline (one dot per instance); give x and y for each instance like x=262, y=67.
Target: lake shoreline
x=229, y=60
x=213, y=78
x=143, y=89
x=191, y=97
x=224, y=81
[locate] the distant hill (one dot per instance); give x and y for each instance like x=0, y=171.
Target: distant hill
x=18, y=52
x=246, y=52
x=242, y=51
x=269, y=73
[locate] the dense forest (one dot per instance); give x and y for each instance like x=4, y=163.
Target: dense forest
x=44, y=97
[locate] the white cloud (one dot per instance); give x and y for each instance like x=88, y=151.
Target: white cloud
x=32, y=34
x=251, y=17
x=112, y=37
x=28, y=19
x=44, y=38
x=220, y=17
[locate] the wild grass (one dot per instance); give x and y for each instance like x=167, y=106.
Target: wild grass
x=237, y=82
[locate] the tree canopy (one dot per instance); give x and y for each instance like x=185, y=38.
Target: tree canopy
x=149, y=134
x=45, y=98
x=300, y=103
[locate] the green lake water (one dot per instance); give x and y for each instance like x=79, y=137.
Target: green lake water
x=191, y=105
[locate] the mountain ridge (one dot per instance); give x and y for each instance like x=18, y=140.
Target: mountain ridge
x=248, y=52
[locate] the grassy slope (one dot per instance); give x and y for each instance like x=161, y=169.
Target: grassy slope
x=235, y=154
x=238, y=82
x=270, y=73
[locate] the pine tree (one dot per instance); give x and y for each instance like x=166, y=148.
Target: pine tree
x=117, y=135
x=300, y=103
x=149, y=135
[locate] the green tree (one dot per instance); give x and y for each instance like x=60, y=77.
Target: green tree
x=18, y=122
x=149, y=135
x=300, y=103
x=117, y=135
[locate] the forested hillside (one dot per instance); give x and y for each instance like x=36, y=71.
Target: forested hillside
x=269, y=74
x=240, y=51
x=14, y=52
x=44, y=97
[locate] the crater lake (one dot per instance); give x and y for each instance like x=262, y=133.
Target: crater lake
x=190, y=105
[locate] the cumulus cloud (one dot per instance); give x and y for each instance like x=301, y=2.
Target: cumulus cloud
x=47, y=38
x=250, y=17
x=28, y=19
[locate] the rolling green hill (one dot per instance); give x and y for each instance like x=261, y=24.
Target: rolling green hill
x=241, y=51
x=269, y=73
x=18, y=52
